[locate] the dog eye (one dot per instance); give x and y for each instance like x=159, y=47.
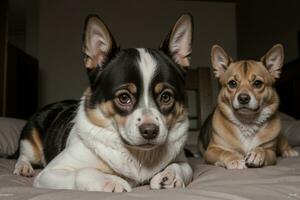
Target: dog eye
x=124, y=98
x=257, y=83
x=232, y=84
x=166, y=97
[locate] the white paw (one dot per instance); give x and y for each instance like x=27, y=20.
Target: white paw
x=166, y=179
x=23, y=168
x=256, y=158
x=108, y=185
x=92, y=180
x=115, y=186
x=290, y=153
x=236, y=164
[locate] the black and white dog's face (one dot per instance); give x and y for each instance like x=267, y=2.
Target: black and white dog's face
x=140, y=92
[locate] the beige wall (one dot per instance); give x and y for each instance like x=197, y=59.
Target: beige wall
x=133, y=23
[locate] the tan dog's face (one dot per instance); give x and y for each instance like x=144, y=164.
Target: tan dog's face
x=247, y=84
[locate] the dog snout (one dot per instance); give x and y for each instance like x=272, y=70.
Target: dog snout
x=149, y=130
x=244, y=98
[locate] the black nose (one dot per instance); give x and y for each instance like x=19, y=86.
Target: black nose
x=149, y=131
x=243, y=98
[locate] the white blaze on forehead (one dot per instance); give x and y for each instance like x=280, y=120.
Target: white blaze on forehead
x=147, y=66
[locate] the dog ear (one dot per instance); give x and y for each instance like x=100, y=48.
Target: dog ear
x=98, y=43
x=273, y=60
x=220, y=60
x=178, y=43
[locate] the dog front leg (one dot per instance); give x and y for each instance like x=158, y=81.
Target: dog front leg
x=285, y=149
x=89, y=179
x=220, y=157
x=176, y=175
x=260, y=156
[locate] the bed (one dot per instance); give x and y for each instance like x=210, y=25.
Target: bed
x=281, y=181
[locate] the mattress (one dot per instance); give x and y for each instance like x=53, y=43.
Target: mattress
x=210, y=182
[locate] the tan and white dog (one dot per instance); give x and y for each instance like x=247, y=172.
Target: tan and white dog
x=245, y=129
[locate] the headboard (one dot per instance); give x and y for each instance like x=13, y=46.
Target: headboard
x=199, y=93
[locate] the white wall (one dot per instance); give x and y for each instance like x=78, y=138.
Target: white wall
x=133, y=23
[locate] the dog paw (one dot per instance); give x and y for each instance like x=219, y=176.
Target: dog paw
x=256, y=158
x=289, y=153
x=23, y=168
x=236, y=164
x=166, y=179
x=93, y=180
x=115, y=186
x=107, y=185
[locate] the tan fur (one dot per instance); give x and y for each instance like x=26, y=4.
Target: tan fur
x=37, y=147
x=103, y=167
x=132, y=88
x=229, y=145
x=108, y=111
x=158, y=88
x=90, y=63
x=120, y=121
x=93, y=114
x=179, y=114
x=107, y=108
x=226, y=144
x=101, y=121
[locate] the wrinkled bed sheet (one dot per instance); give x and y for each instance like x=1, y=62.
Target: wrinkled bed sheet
x=275, y=182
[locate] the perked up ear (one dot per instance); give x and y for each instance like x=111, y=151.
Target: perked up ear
x=98, y=42
x=178, y=43
x=273, y=60
x=220, y=60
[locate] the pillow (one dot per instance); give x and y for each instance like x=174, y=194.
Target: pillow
x=292, y=132
x=291, y=129
x=10, y=130
x=286, y=122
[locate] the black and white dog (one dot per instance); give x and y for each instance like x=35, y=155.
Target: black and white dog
x=129, y=127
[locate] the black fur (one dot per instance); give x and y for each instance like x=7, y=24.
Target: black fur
x=122, y=69
x=206, y=132
x=169, y=72
x=53, y=123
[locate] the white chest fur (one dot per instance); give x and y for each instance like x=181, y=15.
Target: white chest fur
x=249, y=142
x=248, y=133
x=106, y=144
